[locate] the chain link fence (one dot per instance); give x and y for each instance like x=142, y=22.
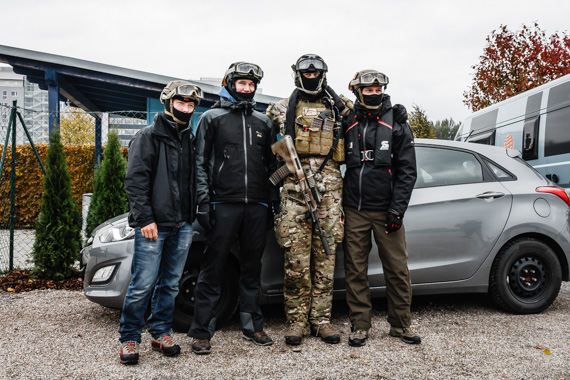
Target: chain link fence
x=21, y=177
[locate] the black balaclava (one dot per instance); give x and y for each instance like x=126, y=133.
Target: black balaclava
x=311, y=84
x=241, y=96
x=179, y=117
x=373, y=100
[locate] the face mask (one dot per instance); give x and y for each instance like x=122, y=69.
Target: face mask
x=311, y=84
x=373, y=100
x=183, y=117
x=244, y=96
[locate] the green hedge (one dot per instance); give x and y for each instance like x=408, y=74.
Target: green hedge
x=29, y=180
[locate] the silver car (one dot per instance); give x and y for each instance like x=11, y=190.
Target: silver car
x=480, y=220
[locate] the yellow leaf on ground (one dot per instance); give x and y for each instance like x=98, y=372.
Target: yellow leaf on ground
x=547, y=351
x=10, y=289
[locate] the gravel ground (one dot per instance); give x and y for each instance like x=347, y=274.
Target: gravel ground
x=53, y=334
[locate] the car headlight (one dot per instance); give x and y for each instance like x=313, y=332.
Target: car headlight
x=116, y=232
x=103, y=274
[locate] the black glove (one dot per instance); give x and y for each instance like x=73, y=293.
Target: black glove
x=203, y=216
x=393, y=222
x=400, y=114
x=276, y=207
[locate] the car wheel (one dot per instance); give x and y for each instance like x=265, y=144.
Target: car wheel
x=525, y=276
x=184, y=304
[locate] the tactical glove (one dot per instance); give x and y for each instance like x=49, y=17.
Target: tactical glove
x=393, y=222
x=400, y=114
x=203, y=216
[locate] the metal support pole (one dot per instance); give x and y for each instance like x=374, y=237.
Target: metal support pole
x=12, y=188
x=53, y=99
x=98, y=138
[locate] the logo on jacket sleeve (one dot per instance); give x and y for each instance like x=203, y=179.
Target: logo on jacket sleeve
x=385, y=145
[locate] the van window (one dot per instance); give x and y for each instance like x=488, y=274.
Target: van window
x=484, y=138
x=485, y=121
x=557, y=127
x=530, y=139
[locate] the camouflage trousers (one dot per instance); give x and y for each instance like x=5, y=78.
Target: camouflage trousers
x=309, y=272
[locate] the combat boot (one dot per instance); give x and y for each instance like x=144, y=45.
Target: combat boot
x=327, y=332
x=295, y=333
x=406, y=334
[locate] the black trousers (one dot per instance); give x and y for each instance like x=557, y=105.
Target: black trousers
x=247, y=223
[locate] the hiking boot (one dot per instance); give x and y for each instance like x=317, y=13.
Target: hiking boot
x=327, y=332
x=260, y=338
x=129, y=352
x=165, y=345
x=201, y=346
x=357, y=338
x=295, y=333
x=406, y=334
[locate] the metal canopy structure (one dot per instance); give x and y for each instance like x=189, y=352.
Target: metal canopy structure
x=97, y=87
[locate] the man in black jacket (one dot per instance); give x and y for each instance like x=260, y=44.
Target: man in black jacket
x=161, y=186
x=380, y=176
x=234, y=161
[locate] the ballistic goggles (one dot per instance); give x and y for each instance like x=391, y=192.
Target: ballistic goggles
x=310, y=64
x=245, y=69
x=184, y=90
x=368, y=79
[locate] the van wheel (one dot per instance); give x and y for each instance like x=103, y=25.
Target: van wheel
x=525, y=276
x=184, y=304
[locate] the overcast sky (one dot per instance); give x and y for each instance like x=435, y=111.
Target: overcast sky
x=426, y=48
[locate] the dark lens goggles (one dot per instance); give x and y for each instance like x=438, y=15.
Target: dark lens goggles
x=306, y=64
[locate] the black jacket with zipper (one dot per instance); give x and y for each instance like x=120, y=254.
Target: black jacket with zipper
x=384, y=183
x=233, y=154
x=161, y=175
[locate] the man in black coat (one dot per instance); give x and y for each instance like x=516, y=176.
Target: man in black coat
x=234, y=161
x=380, y=175
x=161, y=186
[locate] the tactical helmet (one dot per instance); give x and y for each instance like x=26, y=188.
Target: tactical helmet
x=310, y=63
x=182, y=90
x=242, y=70
x=366, y=78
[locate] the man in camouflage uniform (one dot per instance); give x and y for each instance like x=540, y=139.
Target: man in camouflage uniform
x=309, y=116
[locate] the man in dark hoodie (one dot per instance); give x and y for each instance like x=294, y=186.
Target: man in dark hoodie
x=234, y=161
x=380, y=175
x=161, y=186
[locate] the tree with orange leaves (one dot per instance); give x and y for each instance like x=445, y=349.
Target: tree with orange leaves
x=516, y=61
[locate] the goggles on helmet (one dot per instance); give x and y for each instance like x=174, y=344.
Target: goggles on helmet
x=185, y=90
x=244, y=68
x=369, y=79
x=188, y=91
x=306, y=63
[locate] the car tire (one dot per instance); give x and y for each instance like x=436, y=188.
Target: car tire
x=184, y=304
x=525, y=276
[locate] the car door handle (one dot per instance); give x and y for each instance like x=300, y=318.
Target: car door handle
x=490, y=195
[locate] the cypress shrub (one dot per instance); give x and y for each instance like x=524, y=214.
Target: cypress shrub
x=109, y=196
x=57, y=243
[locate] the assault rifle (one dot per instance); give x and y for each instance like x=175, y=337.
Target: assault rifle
x=286, y=150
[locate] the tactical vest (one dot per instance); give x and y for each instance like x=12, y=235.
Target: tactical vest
x=313, y=134
x=382, y=152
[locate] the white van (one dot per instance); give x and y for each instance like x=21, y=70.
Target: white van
x=536, y=122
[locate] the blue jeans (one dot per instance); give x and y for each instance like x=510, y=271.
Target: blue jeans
x=156, y=269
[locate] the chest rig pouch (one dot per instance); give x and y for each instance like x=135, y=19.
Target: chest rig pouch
x=314, y=129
